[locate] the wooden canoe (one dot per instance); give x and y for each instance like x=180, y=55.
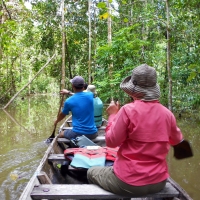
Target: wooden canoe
x=49, y=182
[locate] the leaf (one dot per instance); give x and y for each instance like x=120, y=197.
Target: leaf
x=101, y=5
x=125, y=20
x=58, y=166
x=192, y=66
x=101, y=17
x=104, y=16
x=192, y=76
x=76, y=42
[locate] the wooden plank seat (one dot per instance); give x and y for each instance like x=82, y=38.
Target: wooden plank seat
x=89, y=191
x=99, y=128
x=56, y=157
x=97, y=139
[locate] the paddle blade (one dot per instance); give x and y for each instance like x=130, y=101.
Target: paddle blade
x=53, y=134
x=183, y=150
x=50, y=139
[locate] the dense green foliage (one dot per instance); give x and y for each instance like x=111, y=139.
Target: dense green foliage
x=30, y=36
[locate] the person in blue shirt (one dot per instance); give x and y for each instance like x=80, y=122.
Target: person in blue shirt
x=80, y=104
x=98, y=105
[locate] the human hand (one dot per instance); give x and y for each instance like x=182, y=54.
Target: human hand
x=113, y=108
x=64, y=91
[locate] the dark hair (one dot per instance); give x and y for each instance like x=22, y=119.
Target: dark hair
x=78, y=87
x=85, y=86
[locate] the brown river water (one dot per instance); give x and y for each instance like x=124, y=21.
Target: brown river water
x=27, y=123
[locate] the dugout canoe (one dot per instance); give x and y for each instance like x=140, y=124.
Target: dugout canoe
x=49, y=181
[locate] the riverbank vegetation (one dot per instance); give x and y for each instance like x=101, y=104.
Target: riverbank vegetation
x=101, y=41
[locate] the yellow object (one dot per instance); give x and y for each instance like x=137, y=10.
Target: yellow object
x=14, y=176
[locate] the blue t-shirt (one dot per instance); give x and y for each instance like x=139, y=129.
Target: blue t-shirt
x=82, y=109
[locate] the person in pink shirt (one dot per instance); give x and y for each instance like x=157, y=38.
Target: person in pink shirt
x=143, y=130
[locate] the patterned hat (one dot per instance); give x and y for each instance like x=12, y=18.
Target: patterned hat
x=142, y=84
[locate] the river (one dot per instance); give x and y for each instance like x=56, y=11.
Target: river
x=27, y=123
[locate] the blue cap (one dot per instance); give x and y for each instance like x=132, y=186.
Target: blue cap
x=78, y=81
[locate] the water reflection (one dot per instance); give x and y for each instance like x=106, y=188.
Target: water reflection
x=23, y=130
x=25, y=127
x=187, y=171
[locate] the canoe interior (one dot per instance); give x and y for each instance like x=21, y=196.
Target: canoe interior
x=56, y=173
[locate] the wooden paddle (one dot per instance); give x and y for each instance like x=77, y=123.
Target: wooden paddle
x=53, y=134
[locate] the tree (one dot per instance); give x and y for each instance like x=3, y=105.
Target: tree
x=63, y=46
x=140, y=31
x=168, y=57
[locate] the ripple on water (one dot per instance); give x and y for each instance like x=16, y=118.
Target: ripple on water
x=17, y=167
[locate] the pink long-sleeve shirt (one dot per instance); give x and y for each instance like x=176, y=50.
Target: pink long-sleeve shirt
x=144, y=131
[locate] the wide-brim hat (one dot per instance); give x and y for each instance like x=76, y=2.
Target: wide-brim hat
x=142, y=84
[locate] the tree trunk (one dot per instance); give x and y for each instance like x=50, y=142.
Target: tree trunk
x=94, y=41
x=168, y=57
x=110, y=68
x=28, y=82
x=63, y=47
x=90, y=34
x=110, y=35
x=68, y=58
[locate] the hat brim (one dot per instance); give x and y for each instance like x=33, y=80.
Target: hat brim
x=147, y=93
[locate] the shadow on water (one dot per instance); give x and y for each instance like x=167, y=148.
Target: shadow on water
x=25, y=127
